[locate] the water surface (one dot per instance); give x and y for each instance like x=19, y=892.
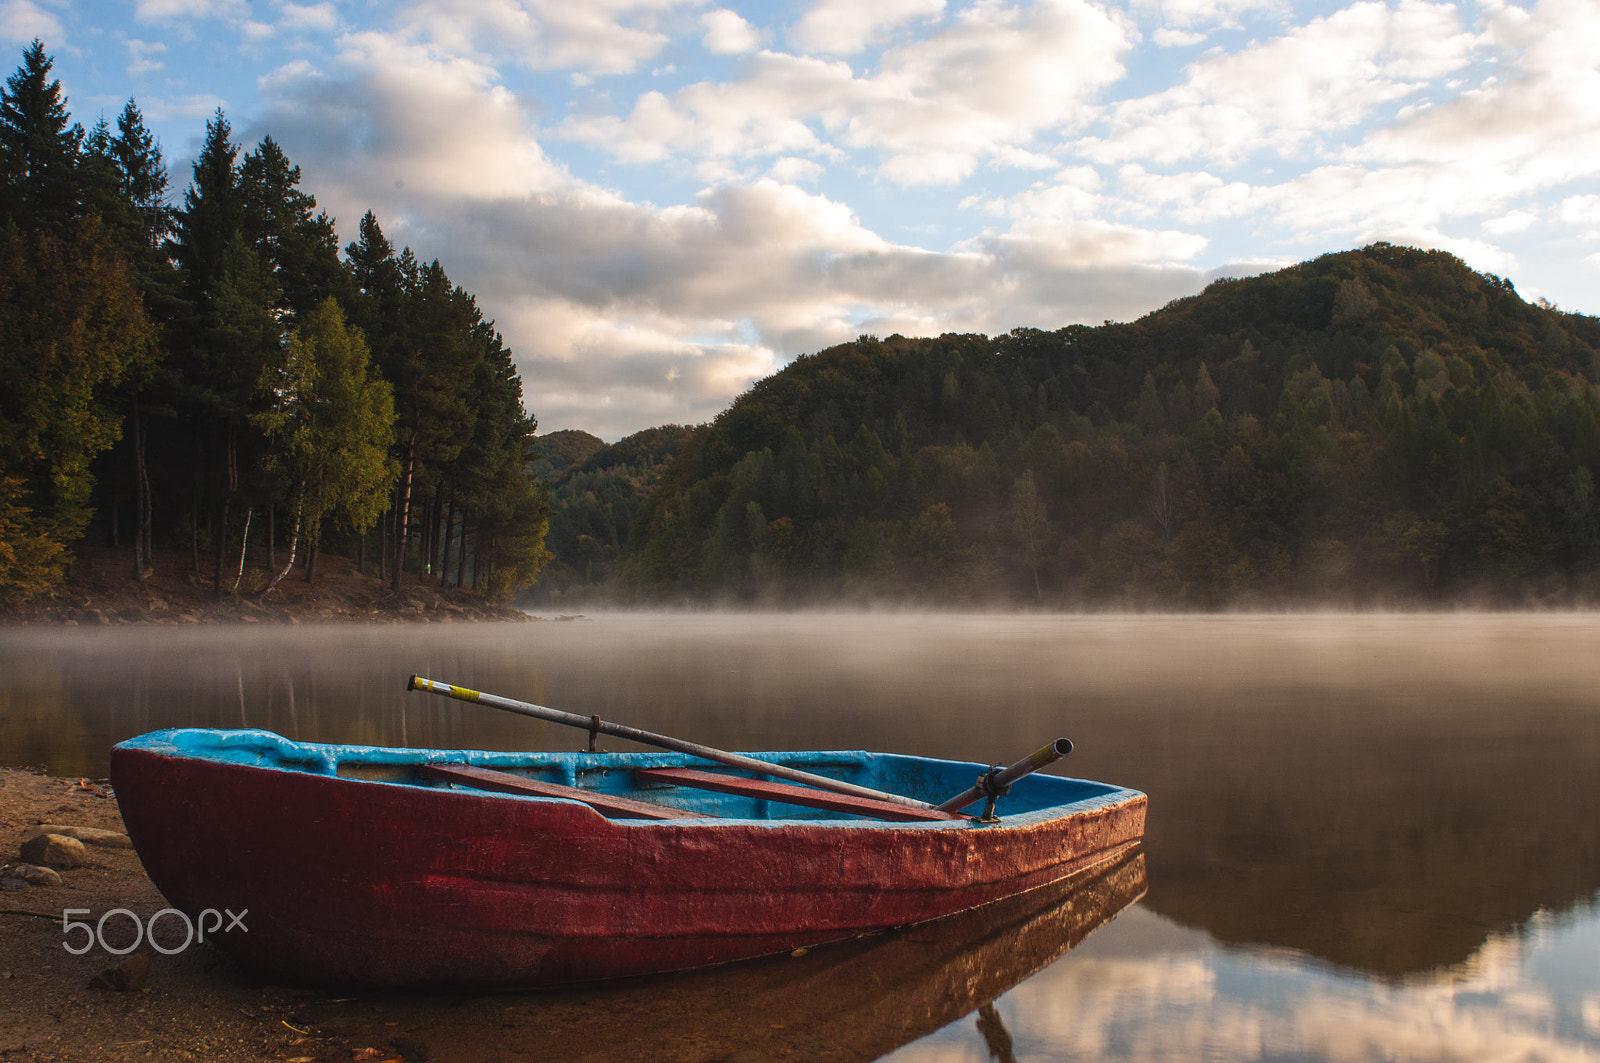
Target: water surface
x=1371, y=837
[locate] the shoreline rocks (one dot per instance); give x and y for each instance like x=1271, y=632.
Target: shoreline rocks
x=54, y=851
x=108, y=839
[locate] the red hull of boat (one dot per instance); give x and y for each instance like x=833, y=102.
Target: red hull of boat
x=353, y=883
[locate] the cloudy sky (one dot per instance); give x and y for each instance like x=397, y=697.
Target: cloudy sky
x=661, y=201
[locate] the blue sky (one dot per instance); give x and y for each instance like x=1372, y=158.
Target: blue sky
x=661, y=201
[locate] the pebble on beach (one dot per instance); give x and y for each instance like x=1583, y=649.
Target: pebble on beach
x=33, y=874
x=129, y=977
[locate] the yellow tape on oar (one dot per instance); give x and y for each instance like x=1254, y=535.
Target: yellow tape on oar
x=449, y=690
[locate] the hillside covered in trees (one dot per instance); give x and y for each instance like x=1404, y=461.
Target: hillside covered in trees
x=596, y=492
x=212, y=375
x=1375, y=427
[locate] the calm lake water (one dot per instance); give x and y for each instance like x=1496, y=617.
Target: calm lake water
x=1370, y=837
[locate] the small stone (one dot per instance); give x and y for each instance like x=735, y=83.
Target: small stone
x=34, y=875
x=54, y=850
x=106, y=839
x=128, y=978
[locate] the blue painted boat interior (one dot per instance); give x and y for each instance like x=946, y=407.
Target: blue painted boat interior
x=1037, y=797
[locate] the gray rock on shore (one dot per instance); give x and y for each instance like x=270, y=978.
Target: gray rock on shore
x=107, y=839
x=54, y=850
x=34, y=875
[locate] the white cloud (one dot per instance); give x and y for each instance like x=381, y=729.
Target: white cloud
x=1581, y=209
x=765, y=113
x=1290, y=93
x=1165, y=37
x=23, y=20
x=1583, y=212
x=792, y=169
x=440, y=126
x=286, y=76
x=1099, y=244
x=1535, y=121
x=595, y=37
x=1192, y=197
x=727, y=33
x=313, y=18
x=173, y=10
x=140, y=56
x=982, y=87
x=196, y=106
x=845, y=27
x=1355, y=201
x=1215, y=12
x=1516, y=221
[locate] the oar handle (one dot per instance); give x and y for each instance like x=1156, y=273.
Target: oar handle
x=995, y=784
x=594, y=724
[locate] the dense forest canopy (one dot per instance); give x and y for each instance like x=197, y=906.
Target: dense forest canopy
x=597, y=492
x=1375, y=427
x=212, y=375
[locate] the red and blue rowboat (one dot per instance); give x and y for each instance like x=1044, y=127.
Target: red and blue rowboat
x=375, y=867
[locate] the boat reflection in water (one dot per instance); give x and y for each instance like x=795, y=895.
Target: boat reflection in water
x=857, y=1000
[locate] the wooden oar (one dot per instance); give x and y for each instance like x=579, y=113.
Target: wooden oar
x=996, y=783
x=595, y=725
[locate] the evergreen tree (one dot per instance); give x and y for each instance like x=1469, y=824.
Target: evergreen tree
x=299, y=246
x=38, y=148
x=213, y=209
x=142, y=176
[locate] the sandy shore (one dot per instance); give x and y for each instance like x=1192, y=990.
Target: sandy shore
x=99, y=590
x=193, y=1005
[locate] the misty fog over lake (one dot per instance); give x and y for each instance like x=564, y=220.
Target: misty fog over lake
x=1372, y=836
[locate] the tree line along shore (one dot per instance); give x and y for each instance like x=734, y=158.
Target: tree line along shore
x=210, y=375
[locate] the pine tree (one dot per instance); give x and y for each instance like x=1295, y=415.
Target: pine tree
x=227, y=334
x=142, y=176
x=299, y=246
x=212, y=214
x=38, y=149
x=376, y=277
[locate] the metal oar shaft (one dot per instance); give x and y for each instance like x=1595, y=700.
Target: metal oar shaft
x=597, y=725
x=999, y=782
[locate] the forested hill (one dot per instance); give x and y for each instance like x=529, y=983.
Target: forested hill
x=1375, y=427
x=596, y=491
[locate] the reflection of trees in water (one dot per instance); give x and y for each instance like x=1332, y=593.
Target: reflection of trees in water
x=1393, y=848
